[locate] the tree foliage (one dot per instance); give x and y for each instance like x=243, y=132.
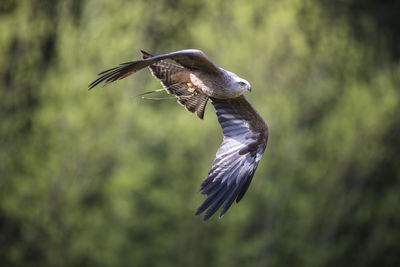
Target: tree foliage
x=101, y=178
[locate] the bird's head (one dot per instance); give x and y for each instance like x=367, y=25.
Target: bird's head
x=239, y=84
x=245, y=85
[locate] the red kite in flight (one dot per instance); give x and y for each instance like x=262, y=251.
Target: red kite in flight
x=193, y=81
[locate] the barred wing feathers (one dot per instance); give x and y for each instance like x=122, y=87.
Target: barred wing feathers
x=164, y=71
x=189, y=58
x=245, y=139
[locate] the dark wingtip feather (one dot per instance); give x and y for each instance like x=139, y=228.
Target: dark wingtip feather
x=105, y=71
x=246, y=185
x=103, y=76
x=223, y=194
x=216, y=198
x=229, y=200
x=217, y=203
x=198, y=212
x=210, y=200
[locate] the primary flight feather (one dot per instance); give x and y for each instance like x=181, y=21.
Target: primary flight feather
x=194, y=80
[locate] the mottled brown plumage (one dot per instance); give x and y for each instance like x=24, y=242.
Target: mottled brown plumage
x=175, y=79
x=194, y=80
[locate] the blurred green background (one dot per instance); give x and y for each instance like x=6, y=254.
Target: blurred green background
x=101, y=178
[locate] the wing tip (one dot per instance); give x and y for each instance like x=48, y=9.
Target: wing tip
x=208, y=215
x=205, y=218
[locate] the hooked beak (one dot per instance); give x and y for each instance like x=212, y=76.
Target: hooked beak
x=249, y=88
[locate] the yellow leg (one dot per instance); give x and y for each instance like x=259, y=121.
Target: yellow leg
x=190, y=87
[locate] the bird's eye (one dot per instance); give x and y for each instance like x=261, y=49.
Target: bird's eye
x=242, y=84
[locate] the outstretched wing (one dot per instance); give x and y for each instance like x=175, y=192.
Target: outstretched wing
x=190, y=58
x=245, y=138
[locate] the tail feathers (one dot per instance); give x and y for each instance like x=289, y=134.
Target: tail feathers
x=195, y=103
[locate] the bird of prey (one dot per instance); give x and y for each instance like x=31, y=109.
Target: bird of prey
x=194, y=79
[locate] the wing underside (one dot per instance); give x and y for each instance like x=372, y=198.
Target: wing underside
x=245, y=138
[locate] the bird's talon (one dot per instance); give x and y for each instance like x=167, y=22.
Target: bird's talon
x=190, y=87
